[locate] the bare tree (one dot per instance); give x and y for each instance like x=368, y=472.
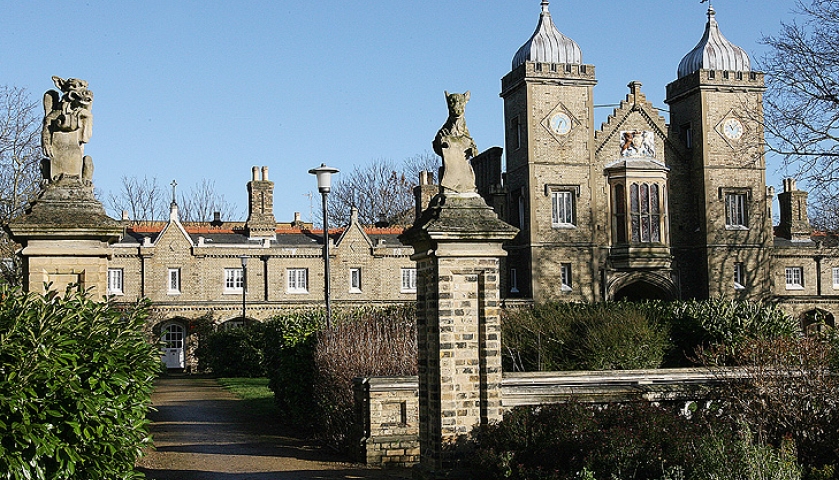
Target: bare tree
x=802, y=100
x=381, y=190
x=143, y=200
x=202, y=201
x=20, y=129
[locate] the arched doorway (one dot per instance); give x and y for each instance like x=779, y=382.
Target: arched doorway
x=172, y=336
x=640, y=286
x=816, y=321
x=641, y=290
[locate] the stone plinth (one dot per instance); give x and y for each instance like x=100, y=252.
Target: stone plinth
x=65, y=236
x=457, y=241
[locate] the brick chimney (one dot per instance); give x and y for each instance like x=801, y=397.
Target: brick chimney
x=261, y=222
x=795, y=225
x=425, y=191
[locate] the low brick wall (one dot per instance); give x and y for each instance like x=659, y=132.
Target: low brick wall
x=387, y=408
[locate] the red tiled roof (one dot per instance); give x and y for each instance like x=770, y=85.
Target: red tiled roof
x=156, y=227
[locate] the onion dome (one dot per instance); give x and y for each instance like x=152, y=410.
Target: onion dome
x=714, y=52
x=547, y=45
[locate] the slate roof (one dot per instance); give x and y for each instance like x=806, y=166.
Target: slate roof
x=234, y=234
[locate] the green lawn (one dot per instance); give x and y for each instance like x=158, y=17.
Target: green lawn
x=254, y=392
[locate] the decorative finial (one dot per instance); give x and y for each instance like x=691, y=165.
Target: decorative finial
x=174, y=184
x=545, y=6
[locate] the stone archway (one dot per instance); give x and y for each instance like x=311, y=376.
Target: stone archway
x=638, y=286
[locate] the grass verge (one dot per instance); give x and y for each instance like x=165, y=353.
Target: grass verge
x=254, y=392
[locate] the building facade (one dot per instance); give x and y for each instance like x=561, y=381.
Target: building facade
x=191, y=270
x=640, y=208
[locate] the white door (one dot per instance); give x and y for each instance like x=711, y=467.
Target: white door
x=173, y=346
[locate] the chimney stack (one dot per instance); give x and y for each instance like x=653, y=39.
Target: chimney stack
x=261, y=222
x=795, y=224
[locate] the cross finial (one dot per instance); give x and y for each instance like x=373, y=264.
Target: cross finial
x=174, y=185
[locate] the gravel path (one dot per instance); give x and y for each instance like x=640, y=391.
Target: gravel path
x=201, y=431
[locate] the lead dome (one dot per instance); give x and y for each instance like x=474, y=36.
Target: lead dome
x=714, y=52
x=547, y=44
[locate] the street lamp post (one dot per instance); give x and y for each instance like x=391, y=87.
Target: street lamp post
x=324, y=177
x=244, y=259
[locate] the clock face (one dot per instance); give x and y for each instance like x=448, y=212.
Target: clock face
x=732, y=128
x=560, y=123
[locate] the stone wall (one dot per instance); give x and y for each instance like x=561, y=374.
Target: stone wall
x=387, y=408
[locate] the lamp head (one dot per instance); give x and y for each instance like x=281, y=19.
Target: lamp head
x=244, y=259
x=324, y=177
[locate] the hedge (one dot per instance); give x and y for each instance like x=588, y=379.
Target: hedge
x=75, y=386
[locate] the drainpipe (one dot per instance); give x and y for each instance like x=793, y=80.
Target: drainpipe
x=818, y=259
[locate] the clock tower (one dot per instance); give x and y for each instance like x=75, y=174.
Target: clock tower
x=548, y=112
x=721, y=227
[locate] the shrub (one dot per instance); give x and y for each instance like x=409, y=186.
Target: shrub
x=740, y=457
x=236, y=352
x=618, y=339
x=625, y=441
x=787, y=394
x=288, y=347
x=75, y=385
x=573, y=336
x=731, y=323
x=366, y=342
x=629, y=441
x=622, y=335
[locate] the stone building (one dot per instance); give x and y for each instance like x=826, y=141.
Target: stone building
x=192, y=270
x=638, y=208
x=641, y=208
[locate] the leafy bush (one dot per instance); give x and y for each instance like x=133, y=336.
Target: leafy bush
x=75, y=385
x=288, y=347
x=731, y=323
x=366, y=342
x=236, y=352
x=620, y=335
x=625, y=441
x=724, y=457
x=574, y=336
x=629, y=441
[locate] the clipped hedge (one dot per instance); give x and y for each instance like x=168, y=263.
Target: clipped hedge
x=75, y=386
x=577, y=336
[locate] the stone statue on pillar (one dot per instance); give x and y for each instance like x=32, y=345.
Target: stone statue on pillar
x=456, y=146
x=457, y=243
x=65, y=231
x=68, y=125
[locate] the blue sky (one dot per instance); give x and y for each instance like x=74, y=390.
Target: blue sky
x=192, y=90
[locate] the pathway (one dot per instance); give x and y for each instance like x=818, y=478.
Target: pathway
x=201, y=432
